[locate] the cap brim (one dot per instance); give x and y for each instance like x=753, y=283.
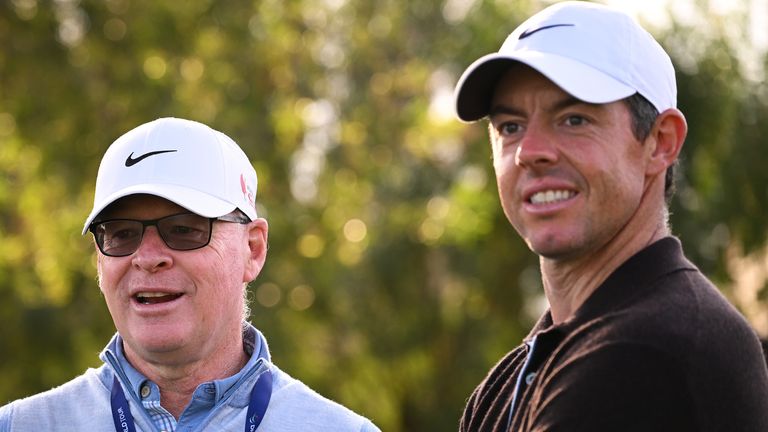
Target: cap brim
x=476, y=86
x=192, y=200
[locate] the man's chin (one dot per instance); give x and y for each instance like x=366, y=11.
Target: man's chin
x=157, y=343
x=553, y=250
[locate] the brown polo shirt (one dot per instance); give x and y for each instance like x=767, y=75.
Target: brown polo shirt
x=655, y=348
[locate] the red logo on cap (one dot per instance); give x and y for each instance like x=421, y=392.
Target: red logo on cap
x=247, y=192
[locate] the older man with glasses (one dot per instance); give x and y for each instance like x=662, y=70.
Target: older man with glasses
x=174, y=220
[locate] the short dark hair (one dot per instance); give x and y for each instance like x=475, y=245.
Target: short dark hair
x=643, y=118
x=764, y=343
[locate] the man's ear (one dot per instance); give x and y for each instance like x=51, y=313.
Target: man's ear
x=257, y=245
x=665, y=141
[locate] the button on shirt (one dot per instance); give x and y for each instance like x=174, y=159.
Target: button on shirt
x=205, y=397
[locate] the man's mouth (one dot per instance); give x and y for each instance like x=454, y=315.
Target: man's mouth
x=551, y=196
x=148, y=298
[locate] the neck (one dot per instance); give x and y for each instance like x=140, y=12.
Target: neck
x=178, y=380
x=568, y=283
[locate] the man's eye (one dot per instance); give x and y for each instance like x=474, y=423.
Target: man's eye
x=575, y=120
x=183, y=230
x=509, y=128
x=125, y=234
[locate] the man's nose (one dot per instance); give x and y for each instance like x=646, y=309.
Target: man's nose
x=537, y=147
x=153, y=254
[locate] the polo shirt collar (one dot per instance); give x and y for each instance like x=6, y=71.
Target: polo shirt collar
x=660, y=258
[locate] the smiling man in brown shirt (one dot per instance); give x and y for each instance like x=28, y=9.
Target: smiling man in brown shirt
x=585, y=134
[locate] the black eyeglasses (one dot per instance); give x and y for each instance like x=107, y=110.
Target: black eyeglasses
x=183, y=231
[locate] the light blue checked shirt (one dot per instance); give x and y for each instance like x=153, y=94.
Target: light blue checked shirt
x=83, y=404
x=204, y=398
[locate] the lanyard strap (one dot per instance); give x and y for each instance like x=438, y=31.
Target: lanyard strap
x=257, y=407
x=121, y=412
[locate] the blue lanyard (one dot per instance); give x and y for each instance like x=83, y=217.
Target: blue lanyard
x=257, y=407
x=121, y=413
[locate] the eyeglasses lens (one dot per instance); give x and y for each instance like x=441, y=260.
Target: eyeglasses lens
x=121, y=237
x=185, y=231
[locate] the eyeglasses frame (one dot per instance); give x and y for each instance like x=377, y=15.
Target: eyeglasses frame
x=236, y=216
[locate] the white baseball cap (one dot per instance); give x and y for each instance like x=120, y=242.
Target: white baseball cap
x=183, y=161
x=594, y=52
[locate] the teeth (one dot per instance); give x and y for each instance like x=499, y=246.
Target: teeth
x=550, y=196
x=152, y=294
x=155, y=297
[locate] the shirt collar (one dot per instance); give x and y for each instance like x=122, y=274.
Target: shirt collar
x=254, y=344
x=627, y=281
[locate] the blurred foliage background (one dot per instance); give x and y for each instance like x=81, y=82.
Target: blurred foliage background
x=393, y=281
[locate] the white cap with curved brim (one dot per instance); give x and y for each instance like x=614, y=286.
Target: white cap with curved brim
x=594, y=52
x=183, y=161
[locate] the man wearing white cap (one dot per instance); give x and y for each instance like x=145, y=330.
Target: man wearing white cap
x=178, y=238
x=584, y=130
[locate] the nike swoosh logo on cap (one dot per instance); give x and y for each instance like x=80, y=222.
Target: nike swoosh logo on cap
x=529, y=32
x=131, y=161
